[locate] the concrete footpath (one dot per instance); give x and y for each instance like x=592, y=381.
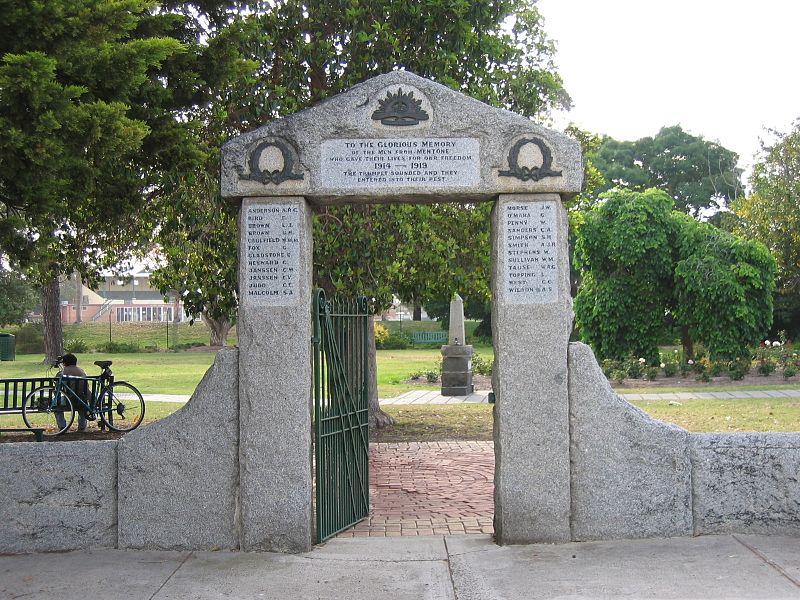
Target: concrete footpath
x=482, y=396
x=432, y=567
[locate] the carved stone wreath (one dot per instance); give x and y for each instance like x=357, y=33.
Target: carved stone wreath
x=529, y=173
x=277, y=176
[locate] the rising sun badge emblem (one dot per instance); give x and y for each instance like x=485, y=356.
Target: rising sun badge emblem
x=400, y=110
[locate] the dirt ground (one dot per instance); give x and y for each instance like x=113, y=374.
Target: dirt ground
x=91, y=433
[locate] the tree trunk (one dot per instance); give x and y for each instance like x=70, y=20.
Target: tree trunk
x=417, y=313
x=377, y=418
x=78, y=299
x=688, y=344
x=219, y=329
x=51, y=321
x=176, y=311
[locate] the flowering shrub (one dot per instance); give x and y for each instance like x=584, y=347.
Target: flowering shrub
x=634, y=367
x=765, y=359
x=381, y=335
x=738, y=368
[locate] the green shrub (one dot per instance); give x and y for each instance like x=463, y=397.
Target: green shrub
x=738, y=368
x=118, y=348
x=701, y=366
x=608, y=366
x=176, y=347
x=789, y=371
x=670, y=369
x=703, y=377
x=76, y=346
x=29, y=339
x=766, y=367
x=416, y=375
x=650, y=373
x=619, y=375
x=482, y=366
x=432, y=376
x=397, y=340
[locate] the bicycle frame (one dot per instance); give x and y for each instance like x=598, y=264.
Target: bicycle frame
x=61, y=387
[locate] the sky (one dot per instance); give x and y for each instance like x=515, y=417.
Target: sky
x=723, y=70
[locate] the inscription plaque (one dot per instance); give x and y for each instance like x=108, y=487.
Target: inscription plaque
x=272, y=254
x=400, y=162
x=530, y=254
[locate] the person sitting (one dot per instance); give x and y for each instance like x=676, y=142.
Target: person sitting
x=70, y=368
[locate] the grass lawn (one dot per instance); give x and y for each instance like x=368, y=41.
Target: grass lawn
x=95, y=334
x=735, y=414
x=433, y=422
x=153, y=412
x=154, y=373
x=790, y=385
x=180, y=372
x=395, y=366
x=437, y=422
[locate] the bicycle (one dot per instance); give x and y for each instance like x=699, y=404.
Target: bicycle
x=118, y=404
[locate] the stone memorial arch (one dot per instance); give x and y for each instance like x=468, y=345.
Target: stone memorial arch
x=402, y=138
x=233, y=469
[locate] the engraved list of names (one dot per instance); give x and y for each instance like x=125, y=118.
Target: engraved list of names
x=272, y=242
x=530, y=253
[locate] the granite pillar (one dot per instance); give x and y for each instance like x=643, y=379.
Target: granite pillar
x=274, y=331
x=531, y=320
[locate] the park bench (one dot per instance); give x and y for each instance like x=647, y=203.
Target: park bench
x=429, y=337
x=13, y=392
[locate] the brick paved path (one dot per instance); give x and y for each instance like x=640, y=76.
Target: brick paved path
x=426, y=488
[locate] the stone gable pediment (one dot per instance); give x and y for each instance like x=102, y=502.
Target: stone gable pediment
x=400, y=137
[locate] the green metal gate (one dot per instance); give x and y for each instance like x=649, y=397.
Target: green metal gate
x=341, y=423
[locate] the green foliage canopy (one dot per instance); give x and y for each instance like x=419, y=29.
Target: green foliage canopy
x=73, y=170
x=771, y=214
x=299, y=53
x=17, y=298
x=643, y=262
x=696, y=173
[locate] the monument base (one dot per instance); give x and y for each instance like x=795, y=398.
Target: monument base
x=457, y=370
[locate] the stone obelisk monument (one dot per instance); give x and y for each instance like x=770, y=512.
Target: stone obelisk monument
x=457, y=355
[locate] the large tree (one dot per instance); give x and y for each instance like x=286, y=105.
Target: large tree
x=698, y=175
x=17, y=298
x=642, y=262
x=495, y=50
x=771, y=214
x=75, y=160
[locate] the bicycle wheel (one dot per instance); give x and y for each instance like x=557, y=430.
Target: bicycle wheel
x=121, y=407
x=38, y=410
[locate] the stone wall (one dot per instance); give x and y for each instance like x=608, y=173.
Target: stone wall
x=746, y=482
x=633, y=476
x=179, y=477
x=178, y=481
x=58, y=496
